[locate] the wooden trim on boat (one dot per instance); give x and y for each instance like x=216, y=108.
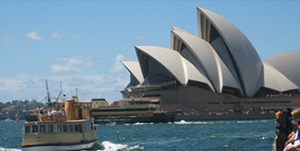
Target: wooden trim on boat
x=55, y=144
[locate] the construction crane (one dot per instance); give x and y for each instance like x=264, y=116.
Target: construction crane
x=59, y=92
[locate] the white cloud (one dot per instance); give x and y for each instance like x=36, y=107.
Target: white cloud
x=34, y=36
x=137, y=38
x=118, y=65
x=106, y=86
x=2, y=84
x=7, y=39
x=58, y=35
x=70, y=65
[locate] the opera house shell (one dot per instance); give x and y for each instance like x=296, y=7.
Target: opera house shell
x=219, y=70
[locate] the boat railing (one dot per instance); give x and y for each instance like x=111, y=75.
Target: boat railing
x=109, y=106
x=52, y=118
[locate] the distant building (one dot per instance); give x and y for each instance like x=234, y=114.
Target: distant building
x=33, y=104
x=217, y=71
x=10, y=110
x=15, y=102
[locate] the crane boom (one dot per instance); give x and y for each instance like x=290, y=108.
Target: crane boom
x=59, y=92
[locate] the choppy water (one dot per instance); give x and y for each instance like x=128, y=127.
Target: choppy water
x=217, y=135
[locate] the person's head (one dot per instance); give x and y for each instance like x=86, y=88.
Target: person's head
x=296, y=116
x=296, y=113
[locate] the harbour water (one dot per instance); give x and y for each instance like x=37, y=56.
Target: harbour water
x=239, y=135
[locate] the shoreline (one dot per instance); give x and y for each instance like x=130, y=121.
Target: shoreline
x=225, y=117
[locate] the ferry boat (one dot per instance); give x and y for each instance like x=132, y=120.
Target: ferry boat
x=73, y=129
x=142, y=110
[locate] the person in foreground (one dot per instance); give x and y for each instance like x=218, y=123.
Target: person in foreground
x=293, y=143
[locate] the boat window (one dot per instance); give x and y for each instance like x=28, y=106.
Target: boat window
x=71, y=128
x=50, y=128
x=91, y=126
x=65, y=128
x=84, y=106
x=81, y=127
x=27, y=129
x=59, y=128
x=86, y=126
x=42, y=128
x=35, y=129
x=76, y=128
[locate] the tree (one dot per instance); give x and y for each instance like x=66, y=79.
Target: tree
x=8, y=104
x=2, y=106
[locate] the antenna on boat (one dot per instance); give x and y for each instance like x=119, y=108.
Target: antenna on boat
x=48, y=93
x=76, y=95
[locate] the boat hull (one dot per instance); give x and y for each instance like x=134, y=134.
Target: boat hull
x=155, y=118
x=60, y=147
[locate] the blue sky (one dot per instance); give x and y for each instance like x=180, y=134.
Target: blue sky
x=81, y=43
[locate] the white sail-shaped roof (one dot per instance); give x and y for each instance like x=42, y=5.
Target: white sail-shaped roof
x=134, y=68
x=276, y=80
x=235, y=49
x=182, y=69
x=193, y=74
x=221, y=57
x=227, y=78
x=207, y=58
x=287, y=63
x=171, y=60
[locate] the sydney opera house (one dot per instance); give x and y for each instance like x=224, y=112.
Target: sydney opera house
x=218, y=70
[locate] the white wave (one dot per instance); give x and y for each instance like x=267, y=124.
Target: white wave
x=142, y=123
x=111, y=146
x=10, y=149
x=182, y=122
x=244, y=121
x=112, y=124
x=136, y=147
x=108, y=146
x=197, y=122
x=138, y=123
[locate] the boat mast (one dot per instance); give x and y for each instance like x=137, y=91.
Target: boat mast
x=48, y=93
